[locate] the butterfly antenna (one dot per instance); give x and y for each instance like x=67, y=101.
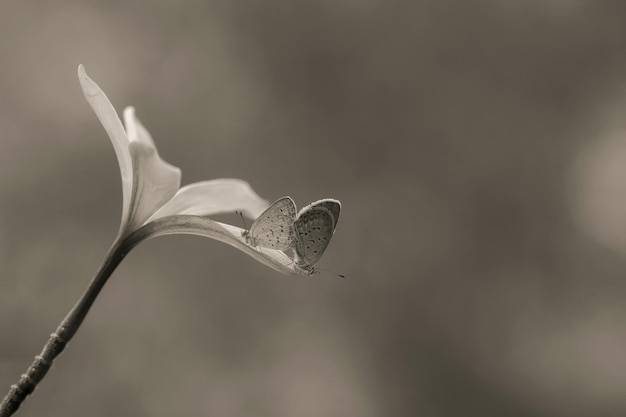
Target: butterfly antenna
x=331, y=272
x=243, y=220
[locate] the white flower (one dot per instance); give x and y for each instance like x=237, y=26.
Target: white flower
x=153, y=202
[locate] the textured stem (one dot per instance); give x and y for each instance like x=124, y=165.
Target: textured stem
x=63, y=334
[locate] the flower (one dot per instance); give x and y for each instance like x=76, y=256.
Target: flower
x=153, y=202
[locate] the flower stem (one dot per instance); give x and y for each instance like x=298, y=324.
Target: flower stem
x=64, y=333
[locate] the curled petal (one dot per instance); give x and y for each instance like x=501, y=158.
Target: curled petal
x=202, y=226
x=154, y=180
x=148, y=182
x=154, y=183
x=111, y=122
x=136, y=131
x=212, y=197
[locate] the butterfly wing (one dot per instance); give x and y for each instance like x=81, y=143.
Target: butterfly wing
x=274, y=228
x=313, y=230
x=330, y=204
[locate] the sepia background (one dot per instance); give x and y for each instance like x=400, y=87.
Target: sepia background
x=478, y=149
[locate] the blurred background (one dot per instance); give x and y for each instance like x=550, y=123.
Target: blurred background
x=479, y=151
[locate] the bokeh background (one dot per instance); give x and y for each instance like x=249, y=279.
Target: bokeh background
x=479, y=151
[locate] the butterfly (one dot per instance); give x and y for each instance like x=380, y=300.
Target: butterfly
x=314, y=227
x=274, y=228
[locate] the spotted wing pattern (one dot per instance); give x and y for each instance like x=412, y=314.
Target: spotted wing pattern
x=274, y=228
x=314, y=228
x=330, y=204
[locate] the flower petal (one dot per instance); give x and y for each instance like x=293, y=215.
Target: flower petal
x=136, y=131
x=212, y=197
x=154, y=180
x=203, y=226
x=111, y=122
